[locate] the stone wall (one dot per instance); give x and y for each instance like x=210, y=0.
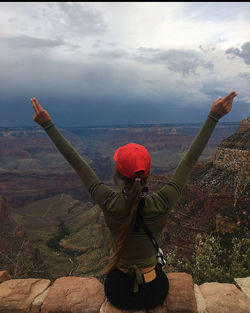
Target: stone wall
x=86, y=295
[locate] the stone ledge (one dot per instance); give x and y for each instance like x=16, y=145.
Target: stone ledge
x=74, y=294
x=86, y=295
x=224, y=298
x=181, y=296
x=17, y=295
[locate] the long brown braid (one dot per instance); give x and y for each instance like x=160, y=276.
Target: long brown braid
x=134, y=187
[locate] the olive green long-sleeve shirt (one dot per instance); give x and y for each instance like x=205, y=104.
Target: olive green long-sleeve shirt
x=139, y=251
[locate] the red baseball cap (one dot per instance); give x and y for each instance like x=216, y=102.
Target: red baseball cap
x=132, y=158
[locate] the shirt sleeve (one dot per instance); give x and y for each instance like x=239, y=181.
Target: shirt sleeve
x=98, y=190
x=171, y=192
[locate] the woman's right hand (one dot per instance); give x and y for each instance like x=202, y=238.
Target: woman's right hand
x=40, y=116
x=224, y=105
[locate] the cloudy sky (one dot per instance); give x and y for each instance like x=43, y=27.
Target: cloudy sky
x=99, y=63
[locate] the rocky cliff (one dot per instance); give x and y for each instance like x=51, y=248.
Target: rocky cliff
x=216, y=198
x=57, y=230
x=234, y=152
x=22, y=188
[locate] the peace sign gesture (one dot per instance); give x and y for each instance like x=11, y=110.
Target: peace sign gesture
x=224, y=105
x=40, y=116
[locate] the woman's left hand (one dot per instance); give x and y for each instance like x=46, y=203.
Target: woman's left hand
x=40, y=116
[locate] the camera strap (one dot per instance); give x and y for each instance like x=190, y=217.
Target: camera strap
x=140, y=220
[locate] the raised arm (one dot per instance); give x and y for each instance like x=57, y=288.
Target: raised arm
x=172, y=191
x=95, y=187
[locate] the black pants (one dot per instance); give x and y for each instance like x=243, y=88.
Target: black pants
x=118, y=288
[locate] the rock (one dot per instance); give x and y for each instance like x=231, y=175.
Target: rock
x=4, y=275
x=19, y=231
x=201, y=304
x=17, y=295
x=240, y=139
x=181, y=296
x=233, y=159
x=107, y=307
x=244, y=284
x=36, y=304
x=224, y=298
x=74, y=294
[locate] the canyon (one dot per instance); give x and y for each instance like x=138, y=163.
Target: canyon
x=46, y=202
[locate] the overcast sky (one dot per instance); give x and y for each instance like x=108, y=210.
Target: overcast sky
x=99, y=63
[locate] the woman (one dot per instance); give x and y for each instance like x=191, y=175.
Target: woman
x=135, y=279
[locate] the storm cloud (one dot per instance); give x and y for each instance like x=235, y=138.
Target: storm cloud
x=185, y=62
x=180, y=61
x=120, y=63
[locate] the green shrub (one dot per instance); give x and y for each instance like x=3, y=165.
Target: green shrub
x=212, y=262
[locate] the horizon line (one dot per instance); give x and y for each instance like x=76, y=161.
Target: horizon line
x=120, y=125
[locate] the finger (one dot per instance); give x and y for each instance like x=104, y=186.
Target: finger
x=34, y=105
x=38, y=105
x=230, y=95
x=230, y=100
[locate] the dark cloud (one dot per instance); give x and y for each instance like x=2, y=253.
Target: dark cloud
x=23, y=41
x=243, y=52
x=94, y=92
x=74, y=93
x=78, y=94
x=180, y=61
x=80, y=19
